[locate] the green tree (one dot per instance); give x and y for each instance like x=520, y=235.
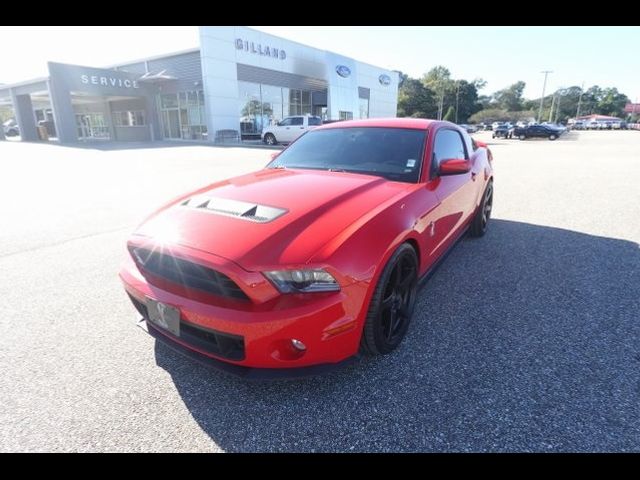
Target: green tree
x=467, y=100
x=451, y=114
x=415, y=100
x=612, y=102
x=439, y=81
x=490, y=115
x=510, y=98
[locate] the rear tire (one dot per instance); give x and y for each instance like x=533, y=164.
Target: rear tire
x=392, y=303
x=481, y=219
x=270, y=139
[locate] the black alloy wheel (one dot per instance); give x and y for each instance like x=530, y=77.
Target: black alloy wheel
x=392, y=303
x=483, y=214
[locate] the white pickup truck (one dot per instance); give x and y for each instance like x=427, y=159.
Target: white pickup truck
x=289, y=128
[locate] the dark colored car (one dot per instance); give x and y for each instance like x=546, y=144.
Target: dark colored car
x=532, y=131
x=504, y=131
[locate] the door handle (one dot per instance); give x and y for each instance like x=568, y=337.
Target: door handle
x=473, y=176
x=301, y=128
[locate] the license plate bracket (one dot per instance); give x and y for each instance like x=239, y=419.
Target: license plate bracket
x=164, y=316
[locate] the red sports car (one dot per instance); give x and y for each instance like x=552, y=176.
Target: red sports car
x=318, y=257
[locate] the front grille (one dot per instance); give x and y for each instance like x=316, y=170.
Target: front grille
x=188, y=274
x=217, y=343
x=223, y=345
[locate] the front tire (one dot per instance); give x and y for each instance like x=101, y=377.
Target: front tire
x=480, y=220
x=522, y=137
x=392, y=303
x=270, y=139
x=552, y=136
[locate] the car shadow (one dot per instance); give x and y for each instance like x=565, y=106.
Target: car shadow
x=527, y=339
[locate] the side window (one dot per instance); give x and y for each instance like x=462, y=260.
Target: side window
x=448, y=144
x=297, y=120
x=313, y=121
x=286, y=122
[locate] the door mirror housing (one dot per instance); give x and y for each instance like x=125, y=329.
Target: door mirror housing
x=454, y=166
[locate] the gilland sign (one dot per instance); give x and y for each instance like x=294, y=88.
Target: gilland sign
x=108, y=81
x=259, y=49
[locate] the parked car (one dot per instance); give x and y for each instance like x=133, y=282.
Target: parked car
x=619, y=126
x=531, y=131
x=10, y=128
x=593, y=125
x=469, y=128
x=578, y=125
x=289, y=128
x=503, y=131
x=315, y=258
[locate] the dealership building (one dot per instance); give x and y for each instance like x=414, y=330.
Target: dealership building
x=236, y=83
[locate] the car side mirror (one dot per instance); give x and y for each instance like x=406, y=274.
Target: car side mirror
x=454, y=166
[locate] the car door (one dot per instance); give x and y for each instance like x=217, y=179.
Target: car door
x=283, y=130
x=456, y=193
x=297, y=128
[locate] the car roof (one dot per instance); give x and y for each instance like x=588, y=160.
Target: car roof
x=414, y=123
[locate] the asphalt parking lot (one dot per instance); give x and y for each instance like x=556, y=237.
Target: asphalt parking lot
x=525, y=340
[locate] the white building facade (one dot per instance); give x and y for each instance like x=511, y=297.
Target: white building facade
x=238, y=81
x=251, y=79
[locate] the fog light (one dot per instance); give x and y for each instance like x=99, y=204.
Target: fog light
x=298, y=345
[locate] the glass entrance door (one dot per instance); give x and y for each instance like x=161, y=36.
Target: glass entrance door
x=171, y=123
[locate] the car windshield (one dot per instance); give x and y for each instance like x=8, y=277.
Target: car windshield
x=391, y=153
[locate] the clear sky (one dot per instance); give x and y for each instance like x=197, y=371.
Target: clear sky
x=606, y=56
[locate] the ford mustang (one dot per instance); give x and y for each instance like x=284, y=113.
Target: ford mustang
x=315, y=259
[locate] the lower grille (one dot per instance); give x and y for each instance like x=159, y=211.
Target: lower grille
x=223, y=345
x=186, y=273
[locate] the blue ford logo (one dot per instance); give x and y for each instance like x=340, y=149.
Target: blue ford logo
x=384, y=79
x=343, y=71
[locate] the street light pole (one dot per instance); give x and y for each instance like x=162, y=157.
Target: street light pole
x=457, y=92
x=580, y=100
x=553, y=103
x=544, y=86
x=555, y=120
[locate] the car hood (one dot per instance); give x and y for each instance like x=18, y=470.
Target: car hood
x=271, y=217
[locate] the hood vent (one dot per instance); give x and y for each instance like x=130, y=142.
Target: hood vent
x=235, y=208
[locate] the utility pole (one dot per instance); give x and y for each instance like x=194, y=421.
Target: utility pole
x=553, y=102
x=544, y=85
x=457, y=92
x=441, y=106
x=557, y=109
x=580, y=100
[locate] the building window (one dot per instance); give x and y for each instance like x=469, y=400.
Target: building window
x=345, y=115
x=129, y=118
x=364, y=108
x=183, y=115
x=264, y=105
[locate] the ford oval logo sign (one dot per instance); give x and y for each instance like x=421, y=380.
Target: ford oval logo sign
x=384, y=79
x=343, y=71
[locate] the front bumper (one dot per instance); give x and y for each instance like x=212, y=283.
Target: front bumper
x=328, y=324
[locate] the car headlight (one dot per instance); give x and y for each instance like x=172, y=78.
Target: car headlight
x=303, y=281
